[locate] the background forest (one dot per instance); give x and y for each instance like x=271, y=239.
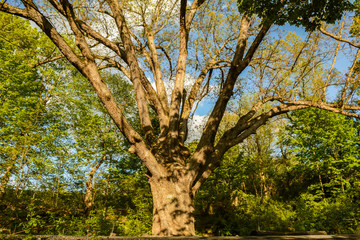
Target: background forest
x=65, y=168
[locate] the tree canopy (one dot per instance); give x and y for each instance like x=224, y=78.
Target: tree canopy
x=309, y=14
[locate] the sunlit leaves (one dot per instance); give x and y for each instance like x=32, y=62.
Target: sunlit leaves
x=307, y=13
x=29, y=121
x=328, y=144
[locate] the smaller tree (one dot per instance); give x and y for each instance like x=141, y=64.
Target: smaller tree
x=327, y=144
x=27, y=128
x=95, y=141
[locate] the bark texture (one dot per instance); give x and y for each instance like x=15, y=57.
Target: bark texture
x=173, y=213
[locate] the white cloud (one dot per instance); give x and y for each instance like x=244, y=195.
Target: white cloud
x=196, y=126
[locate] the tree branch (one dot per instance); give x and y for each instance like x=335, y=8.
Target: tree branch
x=135, y=70
x=189, y=102
x=47, y=61
x=178, y=91
x=160, y=87
x=115, y=64
x=339, y=38
x=349, y=78
x=237, y=66
x=13, y=10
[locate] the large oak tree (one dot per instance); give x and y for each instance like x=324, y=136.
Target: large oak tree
x=216, y=42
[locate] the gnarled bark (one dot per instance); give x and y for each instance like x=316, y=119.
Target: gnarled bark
x=173, y=212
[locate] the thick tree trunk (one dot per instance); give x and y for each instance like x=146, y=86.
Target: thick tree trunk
x=173, y=213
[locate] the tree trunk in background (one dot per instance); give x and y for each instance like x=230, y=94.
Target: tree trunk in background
x=5, y=179
x=89, y=200
x=89, y=194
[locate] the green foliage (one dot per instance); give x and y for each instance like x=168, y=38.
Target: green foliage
x=233, y=201
x=20, y=90
x=333, y=216
x=327, y=144
x=29, y=131
x=313, y=185
x=53, y=130
x=33, y=220
x=309, y=14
